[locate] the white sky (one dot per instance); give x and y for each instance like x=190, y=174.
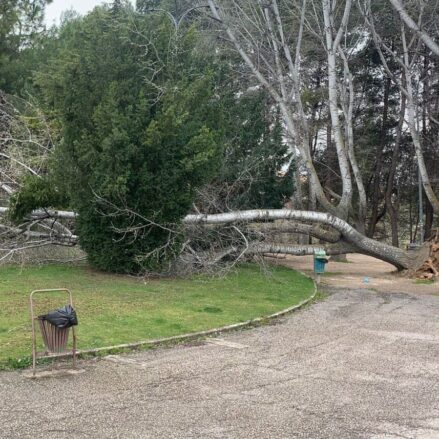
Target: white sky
x=54, y=10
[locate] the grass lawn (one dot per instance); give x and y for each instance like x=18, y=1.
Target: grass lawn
x=116, y=309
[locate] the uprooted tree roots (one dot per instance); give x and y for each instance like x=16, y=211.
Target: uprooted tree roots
x=429, y=268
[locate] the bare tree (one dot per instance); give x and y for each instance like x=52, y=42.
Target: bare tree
x=406, y=55
x=273, y=55
x=26, y=144
x=415, y=27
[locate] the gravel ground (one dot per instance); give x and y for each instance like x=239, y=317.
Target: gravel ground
x=360, y=364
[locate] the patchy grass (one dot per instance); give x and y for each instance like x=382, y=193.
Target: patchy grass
x=116, y=309
x=424, y=281
x=320, y=296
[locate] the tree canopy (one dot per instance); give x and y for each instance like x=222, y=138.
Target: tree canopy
x=146, y=120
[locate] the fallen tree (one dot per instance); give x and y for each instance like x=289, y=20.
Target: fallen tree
x=241, y=234
x=353, y=240
x=350, y=241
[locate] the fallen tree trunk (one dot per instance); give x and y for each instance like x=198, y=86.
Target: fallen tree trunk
x=43, y=213
x=61, y=238
x=395, y=256
x=316, y=231
x=356, y=242
x=302, y=250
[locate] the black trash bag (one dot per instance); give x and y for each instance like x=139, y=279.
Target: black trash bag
x=64, y=317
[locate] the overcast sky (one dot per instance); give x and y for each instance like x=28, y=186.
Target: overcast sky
x=54, y=10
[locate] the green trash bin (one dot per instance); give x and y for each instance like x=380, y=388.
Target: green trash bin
x=320, y=261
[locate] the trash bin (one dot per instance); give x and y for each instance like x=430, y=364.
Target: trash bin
x=320, y=261
x=55, y=339
x=55, y=327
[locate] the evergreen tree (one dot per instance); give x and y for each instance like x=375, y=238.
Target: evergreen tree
x=140, y=135
x=21, y=27
x=121, y=147
x=252, y=174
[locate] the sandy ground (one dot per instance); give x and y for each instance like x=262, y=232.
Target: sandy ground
x=380, y=275
x=359, y=365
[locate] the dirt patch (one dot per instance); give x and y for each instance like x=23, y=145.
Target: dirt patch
x=362, y=272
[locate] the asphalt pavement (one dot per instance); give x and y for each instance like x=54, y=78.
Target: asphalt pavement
x=360, y=364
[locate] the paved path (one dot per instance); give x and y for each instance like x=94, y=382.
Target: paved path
x=358, y=365
x=381, y=275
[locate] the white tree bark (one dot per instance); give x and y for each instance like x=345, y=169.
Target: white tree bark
x=332, y=49
x=399, y=258
x=316, y=231
x=414, y=132
x=348, y=109
x=66, y=238
x=41, y=214
x=290, y=103
x=406, y=65
x=365, y=245
x=302, y=250
x=429, y=42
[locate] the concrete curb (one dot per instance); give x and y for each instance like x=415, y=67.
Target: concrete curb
x=177, y=339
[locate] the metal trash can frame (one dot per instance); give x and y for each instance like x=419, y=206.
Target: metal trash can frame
x=55, y=339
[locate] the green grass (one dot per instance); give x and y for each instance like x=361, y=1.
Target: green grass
x=117, y=309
